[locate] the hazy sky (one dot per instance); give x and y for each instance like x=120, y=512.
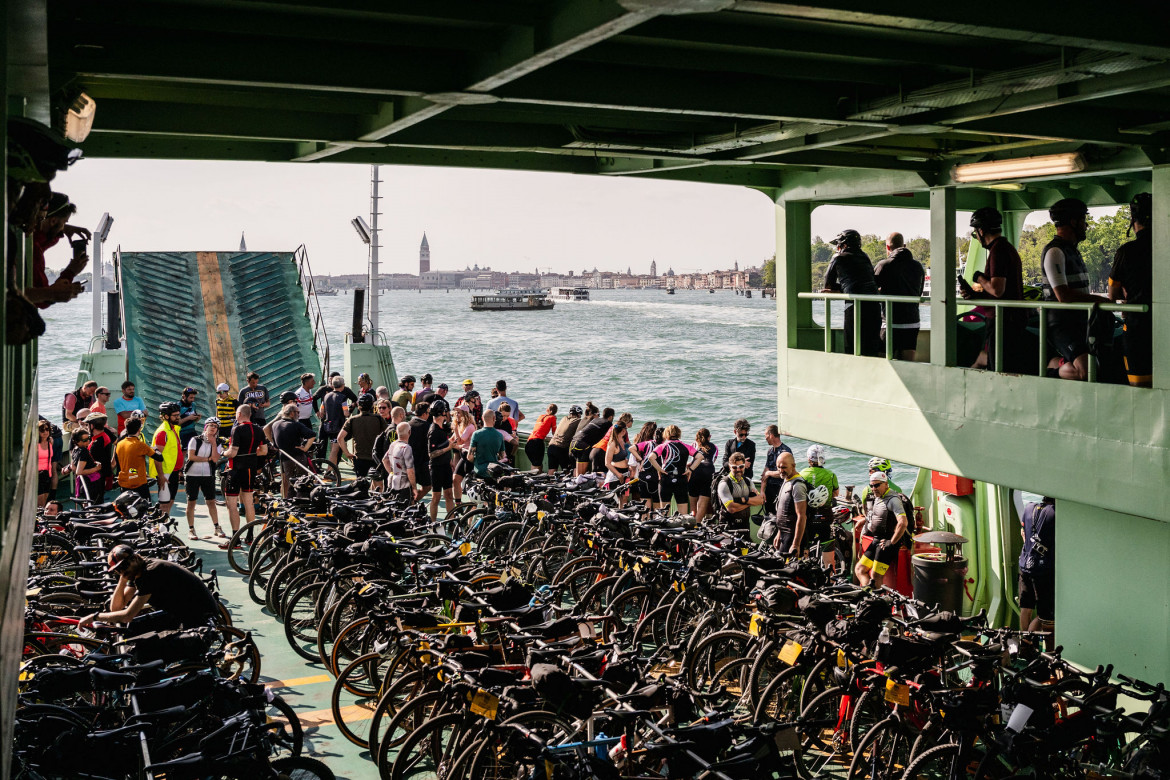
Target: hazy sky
x=509, y=220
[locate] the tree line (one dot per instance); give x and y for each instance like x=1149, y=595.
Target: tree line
x=1103, y=236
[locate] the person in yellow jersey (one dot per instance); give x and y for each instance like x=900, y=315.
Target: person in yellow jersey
x=886, y=520
x=166, y=441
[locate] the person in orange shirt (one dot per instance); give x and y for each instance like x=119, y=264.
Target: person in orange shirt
x=130, y=454
x=101, y=398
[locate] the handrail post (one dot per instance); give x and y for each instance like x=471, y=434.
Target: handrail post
x=1092, y=365
x=997, y=324
x=889, y=311
x=856, y=329
x=1043, y=343
x=828, y=325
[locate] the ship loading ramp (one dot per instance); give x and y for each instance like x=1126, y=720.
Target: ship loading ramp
x=195, y=319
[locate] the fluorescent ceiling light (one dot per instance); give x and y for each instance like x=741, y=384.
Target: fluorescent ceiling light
x=1019, y=168
x=1010, y=186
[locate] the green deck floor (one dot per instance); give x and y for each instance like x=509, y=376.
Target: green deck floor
x=305, y=686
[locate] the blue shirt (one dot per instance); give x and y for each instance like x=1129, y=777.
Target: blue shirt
x=124, y=408
x=184, y=411
x=496, y=402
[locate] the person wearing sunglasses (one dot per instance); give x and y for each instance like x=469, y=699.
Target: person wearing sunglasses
x=742, y=444
x=886, y=520
x=178, y=598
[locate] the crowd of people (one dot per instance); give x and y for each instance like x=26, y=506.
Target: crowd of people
x=1064, y=278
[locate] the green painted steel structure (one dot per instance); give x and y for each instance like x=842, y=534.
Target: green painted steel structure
x=827, y=101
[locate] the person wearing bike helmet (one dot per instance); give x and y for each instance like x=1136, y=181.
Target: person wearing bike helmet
x=1002, y=278
x=167, y=440
x=821, y=498
x=886, y=520
x=361, y=430
x=882, y=465
x=1065, y=278
x=1131, y=280
x=177, y=597
x=203, y=453
x=293, y=440
x=558, y=444
x=851, y=272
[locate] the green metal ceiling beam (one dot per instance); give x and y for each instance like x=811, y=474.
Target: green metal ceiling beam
x=1047, y=23
x=129, y=116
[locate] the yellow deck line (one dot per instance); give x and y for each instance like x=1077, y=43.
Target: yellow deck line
x=351, y=714
x=219, y=339
x=320, y=678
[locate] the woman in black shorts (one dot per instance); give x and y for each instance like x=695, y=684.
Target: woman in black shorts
x=202, y=459
x=649, y=437
x=442, y=475
x=673, y=460
x=702, y=474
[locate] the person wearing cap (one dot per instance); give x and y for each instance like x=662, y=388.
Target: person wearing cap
x=404, y=397
x=203, y=453
x=851, y=272
x=886, y=520
x=362, y=429
x=440, y=405
x=49, y=232
x=305, y=404
x=334, y=410
x=177, y=597
x=225, y=406
x=292, y=440
x=1065, y=278
x=442, y=471
x=426, y=392
x=129, y=402
x=255, y=395
x=169, y=471
x=1002, y=278
x=471, y=401
x=189, y=416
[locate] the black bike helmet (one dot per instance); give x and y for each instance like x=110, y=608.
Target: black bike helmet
x=1141, y=209
x=847, y=238
x=131, y=505
x=366, y=402
x=987, y=218
x=575, y=411
x=1067, y=210
x=168, y=408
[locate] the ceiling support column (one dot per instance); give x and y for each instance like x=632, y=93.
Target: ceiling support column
x=793, y=276
x=942, y=274
x=1160, y=308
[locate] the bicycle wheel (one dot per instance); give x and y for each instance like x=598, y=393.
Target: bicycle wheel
x=823, y=731
x=869, y=709
x=405, y=690
x=353, y=698
x=882, y=754
x=499, y=540
x=302, y=768
x=392, y=731
x=326, y=470
x=242, y=541
x=261, y=571
x=713, y=653
x=650, y=633
x=498, y=757
x=279, y=581
x=941, y=762
x=287, y=742
x=780, y=700
x=301, y=621
x=427, y=752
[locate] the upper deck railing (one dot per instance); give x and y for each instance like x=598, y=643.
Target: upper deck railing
x=888, y=302
x=313, y=308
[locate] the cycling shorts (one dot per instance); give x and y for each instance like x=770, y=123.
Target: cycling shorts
x=240, y=479
x=1038, y=592
x=673, y=486
x=879, y=558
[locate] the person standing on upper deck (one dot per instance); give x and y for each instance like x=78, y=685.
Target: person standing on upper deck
x=851, y=272
x=900, y=274
x=1002, y=278
x=1131, y=280
x=1066, y=279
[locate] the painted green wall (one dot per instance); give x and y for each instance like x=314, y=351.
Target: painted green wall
x=1113, y=596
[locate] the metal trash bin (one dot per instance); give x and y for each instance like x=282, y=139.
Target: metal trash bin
x=939, y=576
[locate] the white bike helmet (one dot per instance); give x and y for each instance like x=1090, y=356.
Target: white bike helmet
x=816, y=454
x=818, y=497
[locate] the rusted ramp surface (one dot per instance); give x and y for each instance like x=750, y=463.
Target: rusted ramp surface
x=200, y=318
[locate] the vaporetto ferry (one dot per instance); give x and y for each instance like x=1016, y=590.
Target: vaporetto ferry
x=824, y=103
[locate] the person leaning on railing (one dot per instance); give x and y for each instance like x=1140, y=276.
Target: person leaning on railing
x=851, y=272
x=1002, y=279
x=1131, y=280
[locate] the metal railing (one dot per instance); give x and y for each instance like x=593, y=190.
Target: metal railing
x=888, y=302
x=313, y=308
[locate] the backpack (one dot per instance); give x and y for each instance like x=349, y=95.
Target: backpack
x=716, y=481
x=907, y=539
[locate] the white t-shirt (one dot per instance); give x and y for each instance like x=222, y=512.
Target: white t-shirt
x=304, y=403
x=197, y=446
x=397, y=460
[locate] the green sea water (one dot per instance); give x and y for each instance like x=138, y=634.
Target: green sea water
x=694, y=359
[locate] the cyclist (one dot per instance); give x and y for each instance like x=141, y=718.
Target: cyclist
x=244, y=452
x=882, y=465
x=1003, y=278
x=178, y=597
x=1065, y=278
x=167, y=441
x=886, y=520
x=823, y=488
x=851, y=272
x=1131, y=280
x=791, y=507
x=736, y=494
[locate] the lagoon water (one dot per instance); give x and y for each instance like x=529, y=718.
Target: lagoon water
x=693, y=358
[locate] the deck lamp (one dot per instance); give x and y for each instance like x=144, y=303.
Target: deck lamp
x=79, y=118
x=1019, y=168
x=363, y=230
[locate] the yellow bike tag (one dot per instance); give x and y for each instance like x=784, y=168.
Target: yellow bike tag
x=637, y=566
x=744, y=551
x=754, y=625
x=465, y=548
x=540, y=515
x=485, y=704
x=589, y=542
x=842, y=662
x=425, y=658
x=288, y=536
x=897, y=693
x=790, y=652
x=25, y=676
x=678, y=586
x=362, y=590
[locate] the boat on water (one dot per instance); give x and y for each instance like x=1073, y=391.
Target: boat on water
x=512, y=300
x=330, y=291
x=570, y=293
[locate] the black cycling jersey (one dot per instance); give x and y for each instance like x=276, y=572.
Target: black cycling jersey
x=901, y=274
x=851, y=272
